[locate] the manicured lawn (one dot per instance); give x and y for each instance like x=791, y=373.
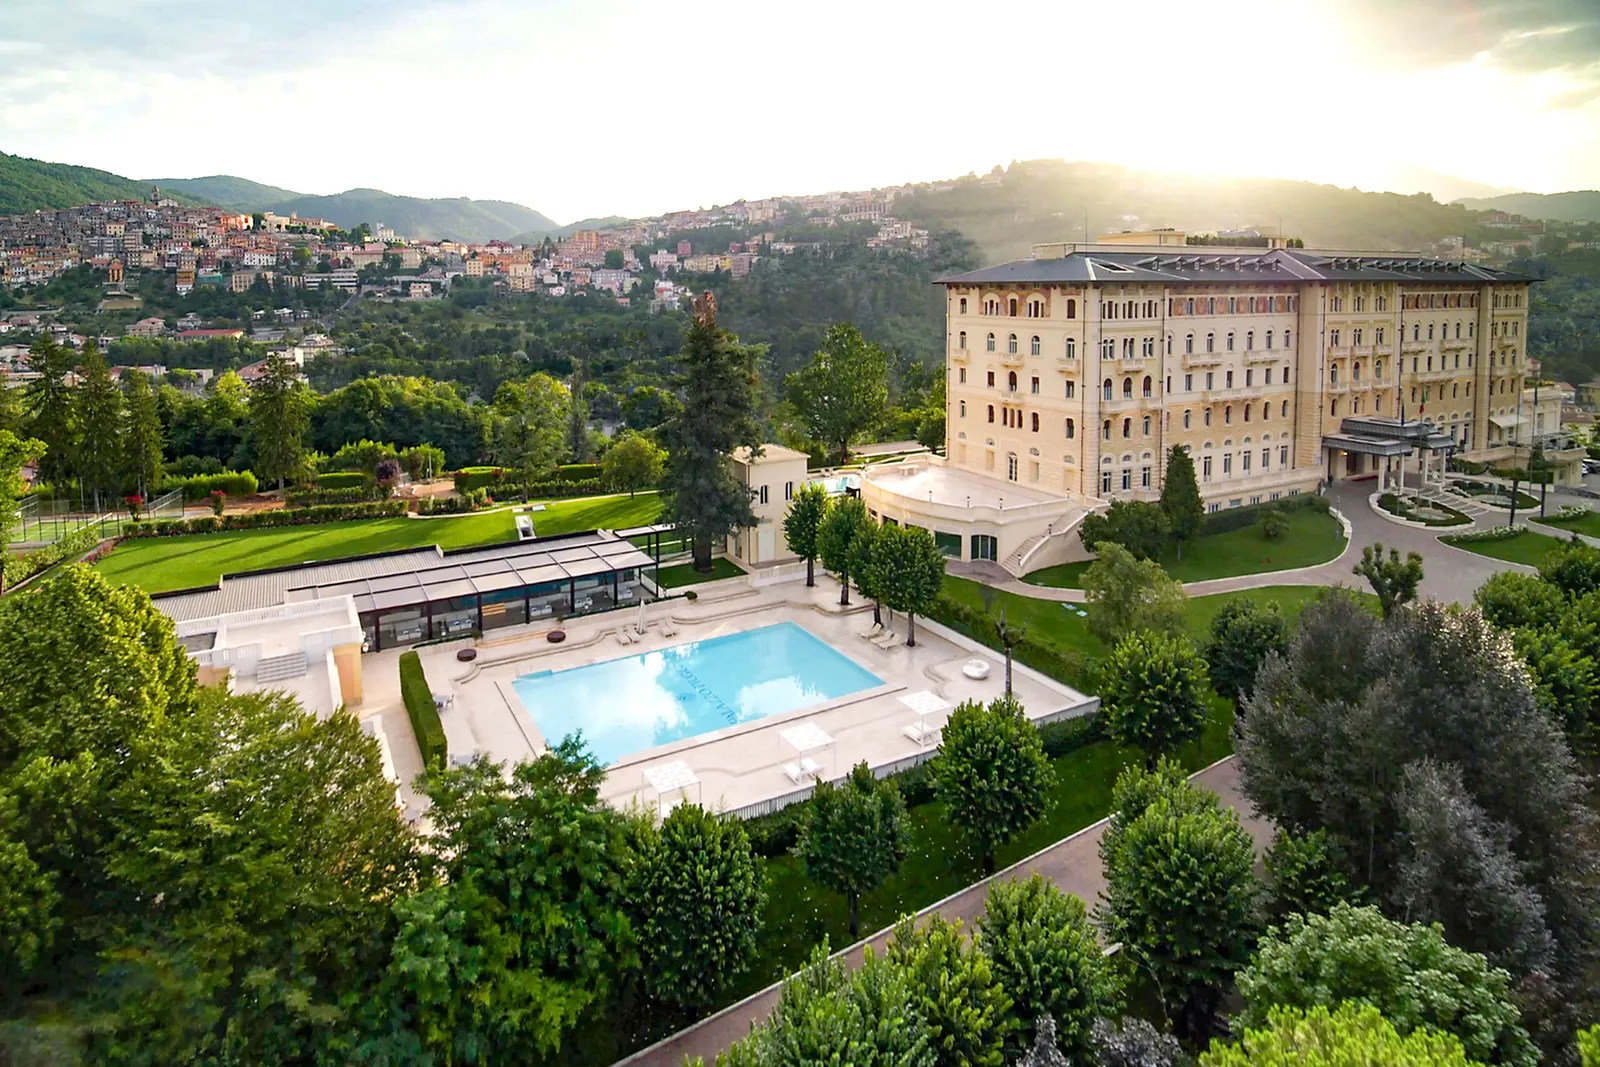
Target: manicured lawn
x=159, y=564
x=685, y=574
x=1587, y=523
x=1526, y=547
x=1312, y=538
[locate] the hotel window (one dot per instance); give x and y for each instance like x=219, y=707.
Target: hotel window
x=1127, y=429
x=1072, y=309
x=1469, y=329
x=1229, y=341
x=1011, y=381
x=1188, y=306
x=1210, y=377
x=963, y=409
x=1266, y=411
x=1105, y=481
x=1105, y=430
x=962, y=343
x=990, y=376
x=1033, y=346
x=1458, y=330
x=1228, y=378
x=1147, y=385
x=1205, y=468
x=1127, y=348
x=1333, y=337
x=1188, y=383
x=1072, y=348
x=1227, y=415
x=788, y=490
x=1377, y=335
x=1206, y=418
x=1249, y=340
x=1072, y=430
x=1227, y=464
x=961, y=375
x=1188, y=344
x=1416, y=332
x=1286, y=343
x=1283, y=410
x=1247, y=413
x=963, y=305
x=1034, y=385
x=989, y=343
x=1361, y=305
x=1108, y=349
x=1105, y=389
x=1244, y=460
x=1286, y=374
x=1036, y=309
x=1127, y=388
x=1186, y=420
x=1269, y=375
x=1147, y=425
x=1333, y=408
x=1169, y=385
x=1011, y=344
x=1011, y=307
x=1266, y=458
x=1333, y=375
x=991, y=412
x=1035, y=422
x=991, y=307
x=763, y=494
x=1269, y=338
x=1355, y=371
x=1144, y=477
x=1072, y=389
x=1169, y=344
x=1147, y=347
x=1127, y=479
x=1283, y=455
x=1338, y=303
x=1211, y=342
x=1430, y=331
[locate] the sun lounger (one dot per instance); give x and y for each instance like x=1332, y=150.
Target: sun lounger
x=873, y=631
x=806, y=770
x=886, y=640
x=623, y=638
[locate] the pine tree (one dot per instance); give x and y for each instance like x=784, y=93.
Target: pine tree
x=1180, y=498
x=578, y=417
x=278, y=420
x=47, y=405
x=142, y=438
x=700, y=494
x=97, y=411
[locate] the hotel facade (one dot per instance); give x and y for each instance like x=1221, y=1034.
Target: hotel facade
x=1070, y=374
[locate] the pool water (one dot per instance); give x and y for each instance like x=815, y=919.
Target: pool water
x=627, y=705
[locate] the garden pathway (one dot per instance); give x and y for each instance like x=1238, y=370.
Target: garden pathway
x=1073, y=864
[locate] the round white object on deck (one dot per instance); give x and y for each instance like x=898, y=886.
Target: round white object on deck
x=976, y=669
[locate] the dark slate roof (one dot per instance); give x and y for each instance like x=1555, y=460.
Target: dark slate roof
x=1202, y=264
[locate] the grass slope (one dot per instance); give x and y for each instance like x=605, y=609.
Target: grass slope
x=1587, y=523
x=161, y=564
x=32, y=184
x=684, y=573
x=1312, y=538
x=1527, y=547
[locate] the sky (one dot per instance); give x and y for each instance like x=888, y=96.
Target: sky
x=584, y=108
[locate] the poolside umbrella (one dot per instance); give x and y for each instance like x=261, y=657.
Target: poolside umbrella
x=642, y=620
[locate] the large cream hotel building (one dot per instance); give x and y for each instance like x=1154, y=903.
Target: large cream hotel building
x=1071, y=373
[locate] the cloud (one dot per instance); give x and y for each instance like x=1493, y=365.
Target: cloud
x=1521, y=37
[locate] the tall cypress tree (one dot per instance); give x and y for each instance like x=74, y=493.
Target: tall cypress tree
x=97, y=411
x=47, y=404
x=278, y=419
x=700, y=493
x=1180, y=498
x=142, y=438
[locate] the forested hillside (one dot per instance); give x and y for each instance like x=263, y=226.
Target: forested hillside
x=30, y=185
x=1050, y=200
x=1580, y=206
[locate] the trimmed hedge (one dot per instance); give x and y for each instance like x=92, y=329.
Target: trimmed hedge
x=262, y=520
x=578, y=472
x=201, y=486
x=19, y=569
x=547, y=490
x=494, y=478
x=343, y=480
x=1238, y=518
x=309, y=498
x=421, y=711
x=468, y=478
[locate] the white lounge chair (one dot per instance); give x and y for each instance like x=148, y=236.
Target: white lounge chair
x=623, y=638
x=873, y=631
x=886, y=640
x=806, y=770
x=667, y=628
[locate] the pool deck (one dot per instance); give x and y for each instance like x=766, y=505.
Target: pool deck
x=739, y=767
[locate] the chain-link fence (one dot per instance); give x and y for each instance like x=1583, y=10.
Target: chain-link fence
x=44, y=520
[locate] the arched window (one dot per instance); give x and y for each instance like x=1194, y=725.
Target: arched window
x=1105, y=432
x=1247, y=413
x=962, y=342
x=1227, y=415
x=1188, y=344
x=1284, y=410
x=1333, y=407
x=1249, y=340
x=963, y=409
x=1230, y=340
x=1011, y=344
x=963, y=306
x=1211, y=342
x=1207, y=417
x=1269, y=339
x=1127, y=388
x=1011, y=382
x=1147, y=385
x=991, y=412
x=1035, y=422
x=1146, y=430
x=1072, y=348
x=1266, y=410
x=1011, y=307
x=1169, y=344
x=1288, y=344
x=1108, y=348
x=989, y=344
x=1072, y=431
x=1072, y=309
x=1105, y=390
x=1036, y=309
x=1355, y=371
x=1430, y=331
x=1127, y=429
x=1033, y=347
x=1186, y=419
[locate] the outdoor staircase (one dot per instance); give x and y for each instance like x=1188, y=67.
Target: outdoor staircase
x=1012, y=564
x=1463, y=503
x=277, y=668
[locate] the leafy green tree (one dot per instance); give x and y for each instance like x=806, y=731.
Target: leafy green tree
x=1243, y=635
x=1353, y=1033
x=97, y=413
x=278, y=420
x=956, y=992
x=523, y=933
x=1589, y=1046
x=1046, y=957
x=701, y=495
x=906, y=571
x=1126, y=594
x=1180, y=498
x=1154, y=690
x=47, y=402
x=10, y=405
x=1572, y=567
x=578, y=416
x=844, y=541
x=1138, y=526
x=1566, y=682
x=695, y=897
x=854, y=836
x=1512, y=601
x=1407, y=971
x=29, y=907
x=1274, y=523
x=1180, y=891
x=142, y=438
x=613, y=259
x=15, y=453
x=843, y=391
x=528, y=429
x=633, y=463
x=1394, y=580
x=647, y=407
x=991, y=773
x=802, y=525
x=1304, y=876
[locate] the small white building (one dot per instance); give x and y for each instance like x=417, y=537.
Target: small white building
x=773, y=478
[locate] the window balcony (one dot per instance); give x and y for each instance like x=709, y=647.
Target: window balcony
x=1009, y=359
x=961, y=355
x=1266, y=355
x=1202, y=359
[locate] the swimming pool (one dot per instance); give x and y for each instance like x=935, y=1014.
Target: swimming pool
x=628, y=705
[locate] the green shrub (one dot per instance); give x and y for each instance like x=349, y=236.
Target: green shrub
x=21, y=568
x=546, y=490
x=262, y=520
x=343, y=480
x=578, y=472
x=200, y=486
x=310, y=498
x=478, y=477
x=1238, y=518
x=420, y=709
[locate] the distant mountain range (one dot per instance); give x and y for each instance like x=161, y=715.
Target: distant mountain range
x=1580, y=206
x=457, y=218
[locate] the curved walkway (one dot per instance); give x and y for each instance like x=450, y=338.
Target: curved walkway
x=1449, y=573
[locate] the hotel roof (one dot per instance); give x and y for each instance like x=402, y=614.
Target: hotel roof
x=413, y=576
x=1203, y=263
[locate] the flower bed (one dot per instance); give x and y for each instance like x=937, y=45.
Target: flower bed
x=1427, y=512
